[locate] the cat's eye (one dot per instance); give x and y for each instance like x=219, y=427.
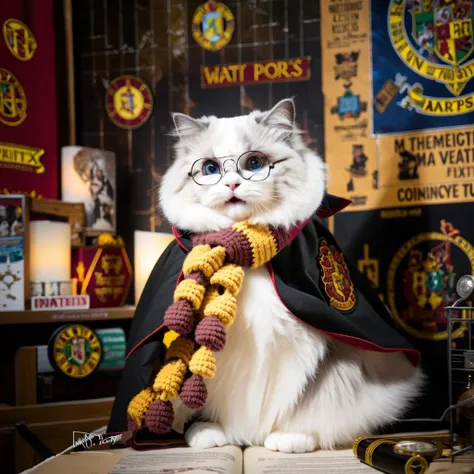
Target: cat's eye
x=210, y=167
x=254, y=166
x=253, y=163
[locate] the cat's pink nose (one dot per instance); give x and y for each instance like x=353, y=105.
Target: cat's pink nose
x=233, y=186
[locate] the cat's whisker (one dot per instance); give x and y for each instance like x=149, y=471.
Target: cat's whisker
x=262, y=207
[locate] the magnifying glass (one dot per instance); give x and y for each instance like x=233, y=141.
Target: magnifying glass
x=465, y=286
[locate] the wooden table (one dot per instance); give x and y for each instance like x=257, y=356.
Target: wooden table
x=462, y=465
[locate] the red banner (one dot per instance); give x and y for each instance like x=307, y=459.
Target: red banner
x=28, y=99
x=105, y=274
x=275, y=70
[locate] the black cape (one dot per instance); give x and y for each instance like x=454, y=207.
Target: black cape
x=297, y=276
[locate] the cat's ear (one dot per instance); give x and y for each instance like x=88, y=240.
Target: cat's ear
x=282, y=116
x=186, y=126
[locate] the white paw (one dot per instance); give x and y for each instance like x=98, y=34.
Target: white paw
x=291, y=442
x=205, y=435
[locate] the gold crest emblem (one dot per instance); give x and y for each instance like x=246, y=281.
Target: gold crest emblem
x=75, y=350
x=335, y=277
x=129, y=102
x=442, y=36
x=19, y=39
x=422, y=279
x=213, y=25
x=12, y=99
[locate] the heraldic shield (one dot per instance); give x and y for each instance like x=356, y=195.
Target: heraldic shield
x=453, y=31
x=444, y=28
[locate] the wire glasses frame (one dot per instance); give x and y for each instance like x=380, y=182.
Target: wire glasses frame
x=251, y=166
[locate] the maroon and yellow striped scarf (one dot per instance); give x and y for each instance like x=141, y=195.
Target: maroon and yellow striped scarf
x=204, y=306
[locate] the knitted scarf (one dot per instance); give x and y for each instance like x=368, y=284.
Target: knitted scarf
x=204, y=306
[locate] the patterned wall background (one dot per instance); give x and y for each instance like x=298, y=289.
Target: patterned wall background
x=152, y=39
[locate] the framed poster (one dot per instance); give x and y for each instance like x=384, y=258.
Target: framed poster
x=88, y=175
x=13, y=269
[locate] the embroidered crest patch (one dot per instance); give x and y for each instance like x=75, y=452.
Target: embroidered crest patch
x=422, y=279
x=19, y=39
x=129, y=102
x=335, y=277
x=75, y=350
x=213, y=25
x=12, y=99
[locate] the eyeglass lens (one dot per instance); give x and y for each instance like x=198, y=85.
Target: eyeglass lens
x=252, y=166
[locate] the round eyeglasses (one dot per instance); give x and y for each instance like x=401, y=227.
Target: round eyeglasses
x=251, y=166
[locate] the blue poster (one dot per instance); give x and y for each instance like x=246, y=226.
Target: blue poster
x=422, y=65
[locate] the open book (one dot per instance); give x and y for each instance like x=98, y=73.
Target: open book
x=228, y=460
x=232, y=460
x=253, y=460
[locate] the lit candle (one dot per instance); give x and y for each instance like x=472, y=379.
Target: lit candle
x=147, y=250
x=50, y=251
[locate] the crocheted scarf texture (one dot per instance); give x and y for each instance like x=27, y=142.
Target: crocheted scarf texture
x=204, y=306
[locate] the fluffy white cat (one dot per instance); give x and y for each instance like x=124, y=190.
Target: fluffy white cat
x=279, y=383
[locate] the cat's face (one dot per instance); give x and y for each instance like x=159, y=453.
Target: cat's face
x=251, y=167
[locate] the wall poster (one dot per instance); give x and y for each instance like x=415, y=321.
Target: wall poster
x=399, y=104
x=422, y=63
x=350, y=152
x=406, y=165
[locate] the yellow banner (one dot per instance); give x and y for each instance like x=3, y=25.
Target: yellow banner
x=21, y=157
x=391, y=171
x=351, y=155
x=283, y=70
x=438, y=106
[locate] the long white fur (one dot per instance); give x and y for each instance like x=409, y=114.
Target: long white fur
x=279, y=383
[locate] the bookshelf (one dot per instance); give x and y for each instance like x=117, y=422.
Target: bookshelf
x=21, y=401
x=66, y=316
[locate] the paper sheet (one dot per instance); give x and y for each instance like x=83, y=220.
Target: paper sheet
x=226, y=460
x=98, y=462
x=262, y=461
